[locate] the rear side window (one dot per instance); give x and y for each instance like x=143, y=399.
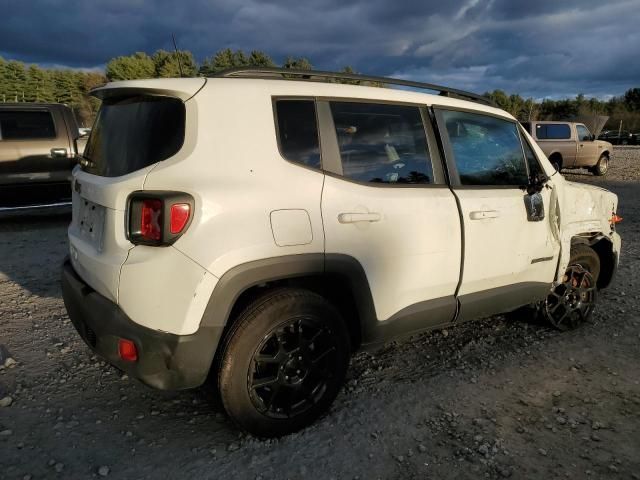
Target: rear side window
x=26, y=125
x=486, y=150
x=298, y=132
x=134, y=132
x=382, y=143
x=553, y=131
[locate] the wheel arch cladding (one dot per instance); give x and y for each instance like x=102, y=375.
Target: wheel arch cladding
x=338, y=278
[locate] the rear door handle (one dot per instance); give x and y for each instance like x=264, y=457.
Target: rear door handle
x=483, y=214
x=58, y=152
x=359, y=217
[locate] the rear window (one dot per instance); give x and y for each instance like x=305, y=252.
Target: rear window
x=553, y=131
x=134, y=132
x=26, y=125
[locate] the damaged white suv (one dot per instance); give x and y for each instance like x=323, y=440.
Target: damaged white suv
x=256, y=227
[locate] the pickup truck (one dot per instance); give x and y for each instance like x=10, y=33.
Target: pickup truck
x=39, y=144
x=571, y=145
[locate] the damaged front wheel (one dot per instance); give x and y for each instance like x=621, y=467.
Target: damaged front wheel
x=571, y=302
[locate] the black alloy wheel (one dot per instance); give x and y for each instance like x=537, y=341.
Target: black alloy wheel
x=291, y=368
x=571, y=302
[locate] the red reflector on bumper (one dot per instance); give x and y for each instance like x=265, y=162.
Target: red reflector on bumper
x=127, y=350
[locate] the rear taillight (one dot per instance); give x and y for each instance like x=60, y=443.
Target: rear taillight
x=150, y=220
x=158, y=218
x=180, y=213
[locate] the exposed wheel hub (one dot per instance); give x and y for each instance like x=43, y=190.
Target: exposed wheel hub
x=571, y=301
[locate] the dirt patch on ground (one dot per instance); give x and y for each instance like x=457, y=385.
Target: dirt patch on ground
x=490, y=399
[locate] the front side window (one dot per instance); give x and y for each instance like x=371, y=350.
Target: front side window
x=553, y=131
x=583, y=133
x=382, y=143
x=535, y=170
x=26, y=125
x=486, y=150
x=298, y=132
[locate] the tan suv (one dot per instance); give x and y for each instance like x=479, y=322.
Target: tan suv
x=571, y=145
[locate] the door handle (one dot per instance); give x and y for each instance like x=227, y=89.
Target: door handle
x=58, y=152
x=483, y=214
x=359, y=217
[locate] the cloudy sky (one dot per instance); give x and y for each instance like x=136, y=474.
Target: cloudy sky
x=540, y=48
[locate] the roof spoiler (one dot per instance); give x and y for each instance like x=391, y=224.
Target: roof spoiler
x=182, y=88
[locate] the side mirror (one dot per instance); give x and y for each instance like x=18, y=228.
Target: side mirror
x=534, y=204
x=536, y=183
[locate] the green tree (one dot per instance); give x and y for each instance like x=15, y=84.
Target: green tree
x=16, y=81
x=259, y=59
x=169, y=64
x=138, y=65
x=64, y=88
x=38, y=85
x=300, y=63
x=632, y=99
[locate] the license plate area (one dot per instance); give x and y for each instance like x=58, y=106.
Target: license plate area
x=90, y=223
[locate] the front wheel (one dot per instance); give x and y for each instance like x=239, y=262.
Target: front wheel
x=571, y=302
x=602, y=166
x=283, y=363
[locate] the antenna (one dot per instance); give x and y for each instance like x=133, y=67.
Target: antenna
x=173, y=37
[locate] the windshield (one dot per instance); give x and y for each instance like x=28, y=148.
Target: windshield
x=134, y=132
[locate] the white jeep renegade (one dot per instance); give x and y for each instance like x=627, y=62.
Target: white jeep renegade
x=260, y=225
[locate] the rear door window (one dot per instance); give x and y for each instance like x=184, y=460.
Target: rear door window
x=486, y=150
x=26, y=125
x=298, y=132
x=134, y=132
x=553, y=131
x=382, y=143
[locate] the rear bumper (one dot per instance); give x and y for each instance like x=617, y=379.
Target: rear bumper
x=165, y=361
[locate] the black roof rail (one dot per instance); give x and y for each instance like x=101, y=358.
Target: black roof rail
x=317, y=75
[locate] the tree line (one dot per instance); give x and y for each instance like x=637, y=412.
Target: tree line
x=625, y=108
x=20, y=82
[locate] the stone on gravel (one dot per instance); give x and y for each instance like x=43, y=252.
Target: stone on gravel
x=103, y=471
x=6, y=433
x=6, y=401
x=59, y=467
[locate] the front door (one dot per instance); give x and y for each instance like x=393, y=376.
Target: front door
x=509, y=260
x=587, y=153
x=386, y=205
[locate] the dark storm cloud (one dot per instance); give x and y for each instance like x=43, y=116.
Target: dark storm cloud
x=539, y=48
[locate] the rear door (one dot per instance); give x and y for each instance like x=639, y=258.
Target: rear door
x=508, y=259
x=385, y=204
x=34, y=146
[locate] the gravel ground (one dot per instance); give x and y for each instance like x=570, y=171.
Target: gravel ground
x=489, y=399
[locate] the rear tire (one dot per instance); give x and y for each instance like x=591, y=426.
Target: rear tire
x=283, y=363
x=602, y=166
